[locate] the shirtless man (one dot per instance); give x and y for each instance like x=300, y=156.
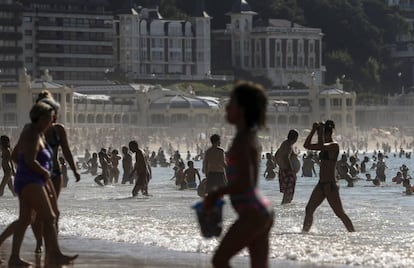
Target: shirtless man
x=285, y=157
x=214, y=165
x=190, y=175
x=142, y=169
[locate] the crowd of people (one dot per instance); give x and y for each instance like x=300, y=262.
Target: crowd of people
x=42, y=156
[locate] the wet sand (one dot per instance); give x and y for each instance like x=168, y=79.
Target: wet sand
x=144, y=257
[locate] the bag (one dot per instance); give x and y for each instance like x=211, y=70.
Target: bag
x=210, y=220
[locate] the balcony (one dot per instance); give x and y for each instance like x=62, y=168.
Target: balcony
x=10, y=36
x=11, y=50
x=10, y=22
x=11, y=7
x=8, y=64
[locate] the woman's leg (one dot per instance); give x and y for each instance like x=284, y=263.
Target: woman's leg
x=336, y=204
x=7, y=232
x=20, y=228
x=10, y=185
x=240, y=234
x=37, y=225
x=315, y=200
x=3, y=184
x=259, y=247
x=40, y=201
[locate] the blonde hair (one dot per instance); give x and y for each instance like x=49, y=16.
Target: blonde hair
x=46, y=97
x=39, y=110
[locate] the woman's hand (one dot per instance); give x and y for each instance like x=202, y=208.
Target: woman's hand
x=315, y=126
x=47, y=176
x=209, y=200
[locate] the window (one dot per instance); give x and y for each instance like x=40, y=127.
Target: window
x=9, y=100
x=10, y=119
x=349, y=102
x=28, y=59
x=322, y=103
x=336, y=103
x=28, y=32
x=28, y=46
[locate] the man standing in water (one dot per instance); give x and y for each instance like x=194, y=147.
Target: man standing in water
x=288, y=166
x=214, y=164
x=142, y=169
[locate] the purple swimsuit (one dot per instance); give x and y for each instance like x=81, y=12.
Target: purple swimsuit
x=25, y=176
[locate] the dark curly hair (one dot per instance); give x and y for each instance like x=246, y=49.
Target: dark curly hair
x=329, y=126
x=252, y=99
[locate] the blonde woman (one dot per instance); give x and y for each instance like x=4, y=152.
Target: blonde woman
x=34, y=159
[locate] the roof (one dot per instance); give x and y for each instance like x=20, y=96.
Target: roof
x=41, y=84
x=283, y=23
x=288, y=92
x=105, y=89
x=334, y=91
x=241, y=7
x=183, y=102
x=77, y=95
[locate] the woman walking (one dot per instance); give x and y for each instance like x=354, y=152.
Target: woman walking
x=34, y=159
x=246, y=110
x=327, y=186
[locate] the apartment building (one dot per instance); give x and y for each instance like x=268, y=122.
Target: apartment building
x=10, y=37
x=277, y=49
x=151, y=47
x=72, y=39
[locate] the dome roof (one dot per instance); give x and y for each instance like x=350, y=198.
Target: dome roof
x=241, y=6
x=183, y=102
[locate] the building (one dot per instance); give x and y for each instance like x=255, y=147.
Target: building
x=109, y=105
x=150, y=47
x=279, y=50
x=404, y=45
x=299, y=108
x=10, y=40
x=17, y=99
x=74, y=39
x=396, y=112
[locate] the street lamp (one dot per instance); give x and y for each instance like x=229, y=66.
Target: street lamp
x=399, y=83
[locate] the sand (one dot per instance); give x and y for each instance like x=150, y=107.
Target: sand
x=144, y=258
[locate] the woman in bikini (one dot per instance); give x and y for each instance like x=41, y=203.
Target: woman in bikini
x=34, y=159
x=327, y=186
x=55, y=137
x=7, y=165
x=246, y=110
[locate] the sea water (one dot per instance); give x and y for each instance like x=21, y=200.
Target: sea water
x=93, y=216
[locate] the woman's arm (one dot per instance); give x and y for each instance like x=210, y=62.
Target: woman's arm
x=308, y=142
x=32, y=145
x=66, y=150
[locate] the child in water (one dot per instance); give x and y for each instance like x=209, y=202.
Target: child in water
x=269, y=173
x=190, y=175
x=399, y=178
x=408, y=188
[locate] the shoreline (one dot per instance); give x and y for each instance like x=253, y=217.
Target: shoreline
x=111, y=254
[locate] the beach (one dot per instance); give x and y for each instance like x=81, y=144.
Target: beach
x=109, y=228
x=144, y=257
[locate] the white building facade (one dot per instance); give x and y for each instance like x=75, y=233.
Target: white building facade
x=151, y=47
x=279, y=50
